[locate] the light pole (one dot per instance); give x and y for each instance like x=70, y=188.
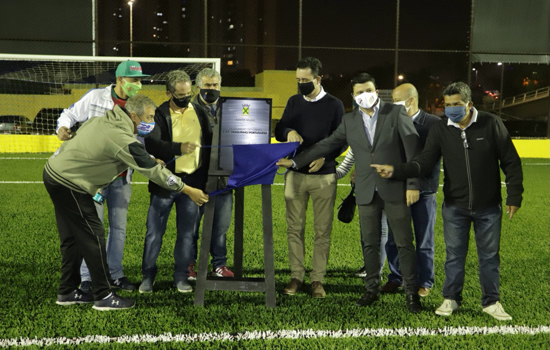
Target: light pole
x=131, y=3
x=475, y=70
x=501, y=88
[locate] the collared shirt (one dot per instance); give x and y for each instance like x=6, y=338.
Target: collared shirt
x=415, y=116
x=186, y=128
x=319, y=96
x=472, y=120
x=369, y=123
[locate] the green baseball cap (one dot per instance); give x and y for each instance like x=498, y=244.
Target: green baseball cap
x=130, y=69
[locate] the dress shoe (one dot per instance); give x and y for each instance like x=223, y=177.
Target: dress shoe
x=292, y=287
x=367, y=299
x=423, y=292
x=390, y=287
x=413, y=303
x=317, y=290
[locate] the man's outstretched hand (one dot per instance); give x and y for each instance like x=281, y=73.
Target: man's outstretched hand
x=385, y=171
x=285, y=163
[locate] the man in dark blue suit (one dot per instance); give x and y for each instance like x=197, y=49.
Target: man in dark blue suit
x=423, y=212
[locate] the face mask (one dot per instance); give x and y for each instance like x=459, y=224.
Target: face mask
x=456, y=113
x=402, y=103
x=182, y=102
x=145, y=128
x=210, y=95
x=306, y=88
x=366, y=99
x=130, y=89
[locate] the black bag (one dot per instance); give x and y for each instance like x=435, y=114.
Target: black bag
x=346, y=210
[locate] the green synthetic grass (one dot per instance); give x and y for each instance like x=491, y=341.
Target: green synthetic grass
x=30, y=271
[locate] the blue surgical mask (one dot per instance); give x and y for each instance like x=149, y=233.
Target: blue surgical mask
x=456, y=113
x=145, y=128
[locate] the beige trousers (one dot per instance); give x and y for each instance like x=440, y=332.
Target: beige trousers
x=322, y=189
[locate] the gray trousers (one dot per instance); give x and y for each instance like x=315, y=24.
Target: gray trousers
x=399, y=219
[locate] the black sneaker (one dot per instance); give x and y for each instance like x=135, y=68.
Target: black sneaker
x=413, y=303
x=76, y=297
x=86, y=286
x=123, y=283
x=367, y=299
x=113, y=302
x=362, y=272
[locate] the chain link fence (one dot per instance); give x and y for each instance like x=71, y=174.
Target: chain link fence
x=260, y=42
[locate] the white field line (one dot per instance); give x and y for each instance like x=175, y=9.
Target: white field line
x=282, y=334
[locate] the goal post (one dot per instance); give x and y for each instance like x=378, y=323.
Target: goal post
x=34, y=90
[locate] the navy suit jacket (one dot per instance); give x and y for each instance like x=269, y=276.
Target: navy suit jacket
x=422, y=124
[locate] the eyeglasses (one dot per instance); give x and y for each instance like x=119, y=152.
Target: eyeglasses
x=184, y=96
x=465, y=141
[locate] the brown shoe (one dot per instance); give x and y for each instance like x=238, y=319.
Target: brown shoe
x=423, y=292
x=317, y=290
x=292, y=287
x=390, y=287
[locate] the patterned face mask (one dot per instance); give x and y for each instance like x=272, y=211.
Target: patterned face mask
x=131, y=89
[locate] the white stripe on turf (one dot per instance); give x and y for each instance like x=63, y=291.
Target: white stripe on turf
x=12, y=158
x=282, y=334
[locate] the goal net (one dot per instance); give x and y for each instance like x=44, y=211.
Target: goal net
x=34, y=90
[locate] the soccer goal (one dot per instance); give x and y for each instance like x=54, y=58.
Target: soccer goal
x=34, y=90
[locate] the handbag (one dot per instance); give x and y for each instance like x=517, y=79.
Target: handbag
x=346, y=210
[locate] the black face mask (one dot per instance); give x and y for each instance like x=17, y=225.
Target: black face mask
x=306, y=88
x=210, y=95
x=182, y=102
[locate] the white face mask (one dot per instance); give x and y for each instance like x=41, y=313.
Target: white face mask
x=402, y=103
x=366, y=99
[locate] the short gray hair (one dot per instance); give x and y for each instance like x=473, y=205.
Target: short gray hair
x=459, y=88
x=174, y=77
x=209, y=73
x=138, y=103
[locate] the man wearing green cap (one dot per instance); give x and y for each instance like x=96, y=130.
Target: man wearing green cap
x=95, y=103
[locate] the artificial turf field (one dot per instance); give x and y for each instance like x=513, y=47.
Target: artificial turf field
x=30, y=270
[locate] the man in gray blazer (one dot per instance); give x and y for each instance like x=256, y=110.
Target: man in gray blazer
x=377, y=131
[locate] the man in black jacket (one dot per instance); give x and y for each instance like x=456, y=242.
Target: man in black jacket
x=473, y=145
x=208, y=83
x=181, y=127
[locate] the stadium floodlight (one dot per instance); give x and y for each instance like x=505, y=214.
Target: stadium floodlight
x=131, y=3
x=39, y=87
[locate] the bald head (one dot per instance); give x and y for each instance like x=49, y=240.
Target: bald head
x=406, y=93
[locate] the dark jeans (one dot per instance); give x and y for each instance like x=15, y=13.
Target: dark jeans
x=188, y=217
x=399, y=217
x=82, y=237
x=456, y=230
x=423, y=215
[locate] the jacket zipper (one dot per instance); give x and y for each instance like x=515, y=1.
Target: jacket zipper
x=471, y=193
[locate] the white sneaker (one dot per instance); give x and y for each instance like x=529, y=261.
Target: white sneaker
x=447, y=308
x=497, y=311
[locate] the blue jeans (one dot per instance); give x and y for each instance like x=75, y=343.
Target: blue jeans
x=423, y=215
x=117, y=197
x=383, y=240
x=456, y=230
x=188, y=217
